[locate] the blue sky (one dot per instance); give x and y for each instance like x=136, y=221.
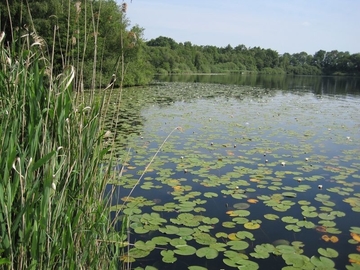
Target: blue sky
x=282, y=25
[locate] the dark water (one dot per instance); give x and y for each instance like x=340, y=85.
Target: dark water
x=321, y=85
x=246, y=139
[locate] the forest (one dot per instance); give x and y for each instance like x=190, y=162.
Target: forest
x=99, y=34
x=168, y=56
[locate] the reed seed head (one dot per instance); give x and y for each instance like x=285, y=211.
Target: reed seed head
x=124, y=7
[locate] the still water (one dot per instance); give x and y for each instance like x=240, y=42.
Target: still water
x=250, y=172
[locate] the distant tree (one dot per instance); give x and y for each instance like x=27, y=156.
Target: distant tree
x=163, y=42
x=318, y=59
x=330, y=62
x=343, y=62
x=12, y=19
x=355, y=63
x=271, y=58
x=188, y=57
x=240, y=48
x=284, y=61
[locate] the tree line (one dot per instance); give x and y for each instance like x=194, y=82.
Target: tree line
x=96, y=38
x=168, y=56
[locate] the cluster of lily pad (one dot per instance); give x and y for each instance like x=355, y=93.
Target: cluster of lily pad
x=241, y=168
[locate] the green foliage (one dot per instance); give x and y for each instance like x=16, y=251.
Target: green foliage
x=92, y=36
x=52, y=212
x=169, y=57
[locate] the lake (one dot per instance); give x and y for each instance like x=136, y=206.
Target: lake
x=246, y=172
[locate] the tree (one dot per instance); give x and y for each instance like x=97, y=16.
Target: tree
x=318, y=59
x=162, y=42
x=284, y=61
x=92, y=36
x=271, y=58
x=12, y=19
x=355, y=63
x=330, y=61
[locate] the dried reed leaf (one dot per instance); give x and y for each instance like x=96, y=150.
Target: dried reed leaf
x=78, y=7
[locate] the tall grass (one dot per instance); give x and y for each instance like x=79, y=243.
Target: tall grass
x=54, y=208
x=53, y=214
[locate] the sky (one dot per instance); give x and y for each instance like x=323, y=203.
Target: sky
x=290, y=26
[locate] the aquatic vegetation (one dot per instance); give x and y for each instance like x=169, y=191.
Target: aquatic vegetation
x=241, y=176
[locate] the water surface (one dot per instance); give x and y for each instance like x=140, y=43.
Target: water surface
x=262, y=173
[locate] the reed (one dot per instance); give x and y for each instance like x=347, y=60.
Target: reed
x=53, y=212
x=56, y=159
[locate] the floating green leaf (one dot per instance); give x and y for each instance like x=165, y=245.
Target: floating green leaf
x=244, y=235
x=195, y=267
x=294, y=228
x=328, y=252
x=271, y=216
x=322, y=262
x=289, y=219
x=252, y=225
x=168, y=256
x=238, y=245
x=185, y=250
x=229, y=224
x=210, y=194
x=241, y=206
x=208, y=220
x=169, y=229
x=160, y=240
x=289, y=194
x=204, y=238
x=207, y=252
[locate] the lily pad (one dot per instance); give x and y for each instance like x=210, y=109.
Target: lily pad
x=241, y=206
x=252, y=225
x=207, y=252
x=168, y=256
x=238, y=245
x=281, y=242
x=185, y=250
x=322, y=262
x=328, y=252
x=271, y=216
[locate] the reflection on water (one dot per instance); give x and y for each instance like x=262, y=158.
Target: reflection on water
x=317, y=84
x=271, y=143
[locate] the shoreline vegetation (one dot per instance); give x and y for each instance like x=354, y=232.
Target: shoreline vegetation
x=97, y=38
x=169, y=57
x=53, y=210
x=54, y=198
x=57, y=155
